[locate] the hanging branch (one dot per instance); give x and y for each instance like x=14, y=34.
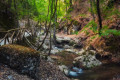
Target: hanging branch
x=12, y=30
x=47, y=31
x=12, y=37
x=4, y=37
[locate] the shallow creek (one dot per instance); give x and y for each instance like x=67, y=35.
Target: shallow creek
x=104, y=72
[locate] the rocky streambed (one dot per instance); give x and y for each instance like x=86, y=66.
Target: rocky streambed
x=70, y=55
x=68, y=61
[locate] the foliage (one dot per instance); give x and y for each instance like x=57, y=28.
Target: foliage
x=106, y=31
x=76, y=32
x=107, y=8
x=92, y=26
x=39, y=10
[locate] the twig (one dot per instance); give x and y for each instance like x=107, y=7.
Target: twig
x=4, y=37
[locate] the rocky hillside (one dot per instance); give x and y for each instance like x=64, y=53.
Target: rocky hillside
x=80, y=19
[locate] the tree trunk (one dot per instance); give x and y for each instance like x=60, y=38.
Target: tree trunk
x=70, y=3
x=55, y=18
x=99, y=17
x=16, y=18
x=92, y=13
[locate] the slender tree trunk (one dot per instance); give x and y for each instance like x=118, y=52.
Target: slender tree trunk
x=50, y=42
x=54, y=32
x=16, y=18
x=99, y=17
x=47, y=29
x=9, y=3
x=92, y=13
x=70, y=3
x=55, y=18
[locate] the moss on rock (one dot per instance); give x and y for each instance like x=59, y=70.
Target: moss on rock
x=23, y=59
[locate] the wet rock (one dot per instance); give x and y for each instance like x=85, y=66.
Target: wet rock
x=75, y=51
x=77, y=46
x=22, y=59
x=8, y=74
x=87, y=59
x=65, y=40
x=50, y=59
x=67, y=47
x=71, y=72
x=45, y=46
x=81, y=51
x=54, y=51
x=62, y=67
x=10, y=77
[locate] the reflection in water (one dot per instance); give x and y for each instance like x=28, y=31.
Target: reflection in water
x=104, y=72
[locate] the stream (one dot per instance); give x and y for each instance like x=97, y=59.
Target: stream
x=100, y=71
x=104, y=72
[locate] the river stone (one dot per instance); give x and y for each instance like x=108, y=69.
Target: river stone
x=65, y=40
x=81, y=51
x=67, y=47
x=54, y=51
x=87, y=59
x=24, y=60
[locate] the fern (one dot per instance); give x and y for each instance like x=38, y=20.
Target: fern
x=106, y=32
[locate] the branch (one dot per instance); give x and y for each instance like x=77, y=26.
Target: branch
x=12, y=30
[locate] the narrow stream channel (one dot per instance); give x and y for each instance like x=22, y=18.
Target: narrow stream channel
x=103, y=72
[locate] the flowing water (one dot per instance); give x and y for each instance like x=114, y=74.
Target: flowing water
x=104, y=72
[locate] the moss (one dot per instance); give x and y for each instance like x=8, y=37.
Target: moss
x=19, y=49
x=23, y=59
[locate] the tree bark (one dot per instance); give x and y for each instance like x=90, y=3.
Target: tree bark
x=99, y=17
x=70, y=3
x=55, y=18
x=92, y=13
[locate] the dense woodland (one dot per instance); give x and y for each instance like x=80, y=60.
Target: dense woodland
x=59, y=39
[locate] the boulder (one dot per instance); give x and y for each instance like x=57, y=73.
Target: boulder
x=23, y=59
x=87, y=59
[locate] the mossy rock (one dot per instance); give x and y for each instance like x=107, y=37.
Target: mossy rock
x=23, y=59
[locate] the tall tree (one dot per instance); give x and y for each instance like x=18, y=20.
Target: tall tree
x=99, y=16
x=91, y=5
x=70, y=3
x=55, y=22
